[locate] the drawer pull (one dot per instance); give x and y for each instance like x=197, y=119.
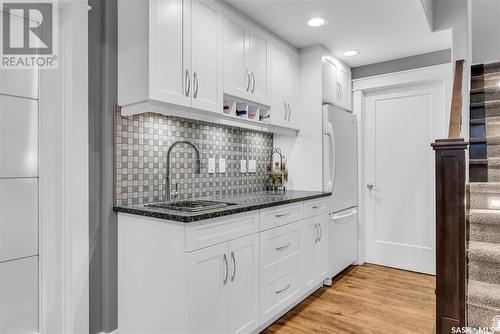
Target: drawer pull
x=282, y=248
x=282, y=215
x=316, y=207
x=283, y=290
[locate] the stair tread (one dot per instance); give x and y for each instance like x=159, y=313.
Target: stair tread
x=477, y=140
x=478, y=161
x=483, y=294
x=493, y=140
x=484, y=251
x=484, y=216
x=477, y=121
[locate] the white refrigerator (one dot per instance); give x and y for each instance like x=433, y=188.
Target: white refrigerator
x=340, y=177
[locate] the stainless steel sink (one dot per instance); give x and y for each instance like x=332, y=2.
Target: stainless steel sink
x=191, y=205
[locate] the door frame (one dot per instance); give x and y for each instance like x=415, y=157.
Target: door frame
x=441, y=74
x=63, y=190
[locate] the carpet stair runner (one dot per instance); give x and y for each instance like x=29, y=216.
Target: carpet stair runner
x=483, y=293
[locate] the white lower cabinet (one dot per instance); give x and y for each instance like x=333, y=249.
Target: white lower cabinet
x=19, y=296
x=208, y=292
x=233, y=274
x=224, y=294
x=243, y=284
x=315, y=255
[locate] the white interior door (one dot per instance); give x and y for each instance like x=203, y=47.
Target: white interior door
x=400, y=124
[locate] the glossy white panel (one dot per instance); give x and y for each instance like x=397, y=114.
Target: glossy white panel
x=18, y=137
x=19, y=296
x=18, y=218
x=23, y=83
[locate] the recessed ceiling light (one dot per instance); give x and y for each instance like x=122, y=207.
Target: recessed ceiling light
x=351, y=53
x=316, y=22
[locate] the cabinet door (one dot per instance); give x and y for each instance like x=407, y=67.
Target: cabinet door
x=330, y=82
x=315, y=250
x=310, y=239
x=291, y=63
x=206, y=56
x=236, y=46
x=345, y=87
x=259, y=66
x=322, y=247
x=244, y=284
x=169, y=56
x=279, y=109
x=209, y=275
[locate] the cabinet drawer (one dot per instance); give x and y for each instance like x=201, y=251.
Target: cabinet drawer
x=281, y=215
x=276, y=294
x=316, y=207
x=213, y=231
x=279, y=249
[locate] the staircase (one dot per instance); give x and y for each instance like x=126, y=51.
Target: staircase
x=483, y=292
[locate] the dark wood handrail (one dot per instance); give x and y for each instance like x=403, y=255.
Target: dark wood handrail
x=451, y=264
x=456, y=102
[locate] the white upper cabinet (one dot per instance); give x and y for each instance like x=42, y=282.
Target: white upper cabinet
x=336, y=83
x=181, y=64
x=284, y=83
x=236, y=49
x=169, y=55
x=259, y=66
x=206, y=55
x=246, y=60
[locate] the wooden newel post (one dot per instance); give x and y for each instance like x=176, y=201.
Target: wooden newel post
x=450, y=234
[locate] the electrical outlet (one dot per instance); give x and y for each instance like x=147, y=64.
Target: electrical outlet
x=222, y=165
x=211, y=165
x=243, y=166
x=252, y=166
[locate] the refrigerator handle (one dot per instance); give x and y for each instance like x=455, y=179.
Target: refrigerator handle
x=328, y=131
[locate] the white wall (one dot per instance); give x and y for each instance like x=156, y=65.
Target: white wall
x=485, y=31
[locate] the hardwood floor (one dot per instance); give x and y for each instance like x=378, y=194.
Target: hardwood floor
x=365, y=299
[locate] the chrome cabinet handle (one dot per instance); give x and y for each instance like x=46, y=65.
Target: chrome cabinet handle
x=341, y=91
x=282, y=248
x=289, y=111
x=195, y=79
x=188, y=83
x=281, y=215
x=317, y=233
x=227, y=270
x=370, y=186
x=320, y=233
x=248, y=80
x=285, y=110
x=316, y=207
x=234, y=266
x=283, y=290
x=338, y=90
x=253, y=84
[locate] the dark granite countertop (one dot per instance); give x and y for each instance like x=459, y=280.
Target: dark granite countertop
x=244, y=203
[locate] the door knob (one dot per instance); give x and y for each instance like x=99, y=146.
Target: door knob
x=370, y=186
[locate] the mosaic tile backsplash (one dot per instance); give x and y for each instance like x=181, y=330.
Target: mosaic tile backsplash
x=141, y=146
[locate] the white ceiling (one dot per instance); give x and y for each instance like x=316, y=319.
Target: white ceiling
x=380, y=29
